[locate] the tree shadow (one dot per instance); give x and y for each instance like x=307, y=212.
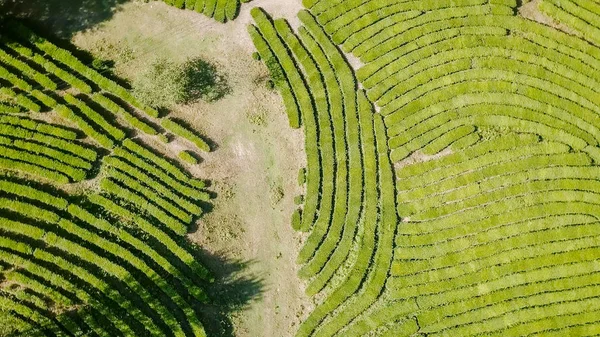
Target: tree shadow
x=232, y=291
x=63, y=17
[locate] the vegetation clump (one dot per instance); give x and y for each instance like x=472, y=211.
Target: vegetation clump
x=188, y=157
x=166, y=83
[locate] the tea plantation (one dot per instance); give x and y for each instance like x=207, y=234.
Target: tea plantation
x=110, y=262
x=451, y=184
x=452, y=178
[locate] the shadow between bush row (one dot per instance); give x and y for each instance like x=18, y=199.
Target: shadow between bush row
x=232, y=290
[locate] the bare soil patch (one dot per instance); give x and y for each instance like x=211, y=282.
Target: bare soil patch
x=531, y=11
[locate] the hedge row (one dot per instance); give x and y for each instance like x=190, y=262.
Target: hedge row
x=183, y=131
x=28, y=71
x=65, y=57
x=177, y=226
x=36, y=148
x=348, y=12
x=29, y=312
x=14, y=79
x=64, y=145
x=160, y=304
x=17, y=165
x=9, y=108
x=113, y=107
x=9, y=151
x=435, y=43
x=432, y=27
x=83, y=124
x=388, y=221
x=165, y=165
x=220, y=10
x=331, y=126
x=118, y=270
x=40, y=126
x=472, y=181
x=525, y=245
x=335, y=247
x=32, y=193
x=165, y=263
x=353, y=280
x=188, y=157
x=48, y=101
x=75, y=269
x=283, y=70
x=552, y=87
x=544, y=153
x=151, y=195
x=65, y=76
x=503, y=277
x=159, y=186
x=448, y=138
x=20, y=99
x=114, y=131
x=537, y=76
x=586, y=20
x=358, y=169
x=57, y=281
x=161, y=236
x=520, y=119
x=307, y=111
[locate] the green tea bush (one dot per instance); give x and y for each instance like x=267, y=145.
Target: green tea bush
x=179, y=129
x=188, y=157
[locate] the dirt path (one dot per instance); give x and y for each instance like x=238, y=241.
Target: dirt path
x=254, y=168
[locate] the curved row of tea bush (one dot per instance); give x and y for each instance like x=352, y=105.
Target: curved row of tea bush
x=33, y=147
x=100, y=106
x=60, y=233
x=492, y=122
x=581, y=15
x=353, y=192
x=113, y=262
x=72, y=234
x=220, y=10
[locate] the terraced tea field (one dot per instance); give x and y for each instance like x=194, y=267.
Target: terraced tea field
x=449, y=181
x=110, y=262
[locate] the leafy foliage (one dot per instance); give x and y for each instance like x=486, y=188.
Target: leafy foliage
x=166, y=83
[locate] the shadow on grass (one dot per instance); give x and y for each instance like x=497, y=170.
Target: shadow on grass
x=232, y=291
x=63, y=17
